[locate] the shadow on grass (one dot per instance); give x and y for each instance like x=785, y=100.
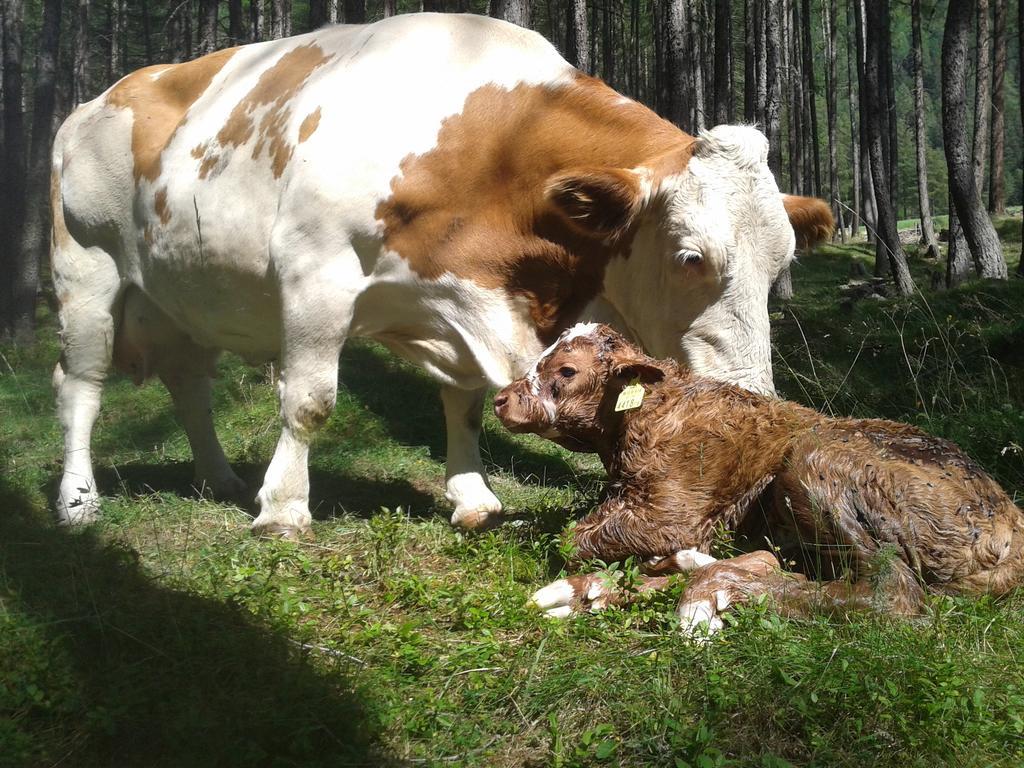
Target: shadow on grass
x=331, y=493
x=409, y=403
x=154, y=676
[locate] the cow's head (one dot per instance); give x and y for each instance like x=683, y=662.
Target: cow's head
x=710, y=232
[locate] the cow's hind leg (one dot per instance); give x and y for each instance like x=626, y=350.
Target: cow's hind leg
x=87, y=286
x=316, y=311
x=465, y=480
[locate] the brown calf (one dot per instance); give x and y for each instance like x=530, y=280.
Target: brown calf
x=891, y=508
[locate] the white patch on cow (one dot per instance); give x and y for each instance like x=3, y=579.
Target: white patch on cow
x=722, y=600
x=561, y=612
x=691, y=559
x=556, y=594
x=725, y=205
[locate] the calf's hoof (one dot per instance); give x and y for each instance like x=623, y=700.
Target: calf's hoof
x=699, y=620
x=574, y=595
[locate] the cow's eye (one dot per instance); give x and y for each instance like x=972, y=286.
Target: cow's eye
x=566, y=372
x=687, y=256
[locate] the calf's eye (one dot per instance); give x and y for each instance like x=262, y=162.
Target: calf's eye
x=566, y=372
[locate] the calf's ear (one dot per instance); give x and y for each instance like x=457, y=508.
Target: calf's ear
x=811, y=220
x=597, y=202
x=637, y=369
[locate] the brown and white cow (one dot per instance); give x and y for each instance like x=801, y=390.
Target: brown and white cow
x=689, y=455
x=445, y=184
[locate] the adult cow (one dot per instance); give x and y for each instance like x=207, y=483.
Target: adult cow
x=447, y=185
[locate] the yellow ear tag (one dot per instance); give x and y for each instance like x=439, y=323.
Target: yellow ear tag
x=630, y=397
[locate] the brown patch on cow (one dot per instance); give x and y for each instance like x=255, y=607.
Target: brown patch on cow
x=274, y=90
x=488, y=203
x=159, y=106
x=309, y=125
x=160, y=205
x=811, y=219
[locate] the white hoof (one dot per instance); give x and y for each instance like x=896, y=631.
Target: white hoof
x=475, y=503
x=574, y=595
x=699, y=620
x=291, y=521
x=77, y=506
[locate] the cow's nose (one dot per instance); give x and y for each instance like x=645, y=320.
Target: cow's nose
x=500, y=400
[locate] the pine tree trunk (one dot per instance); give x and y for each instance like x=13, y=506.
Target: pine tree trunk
x=958, y=254
x=259, y=20
x=518, y=12
x=761, y=100
x=317, y=13
x=749, y=63
x=891, y=140
x=723, y=46
x=928, y=239
x=997, y=187
x=147, y=32
x=982, y=94
x=80, y=56
x=12, y=180
x=854, y=131
x=981, y=235
x=390, y=8
x=828, y=17
x=869, y=208
x=579, y=42
x=697, y=69
x=812, y=99
x=355, y=11
x=115, y=29
x=236, y=22
x=794, y=112
x=35, y=234
x=1020, y=50
x=773, y=82
x=207, y=26
x=276, y=19
x=876, y=15
x=675, y=50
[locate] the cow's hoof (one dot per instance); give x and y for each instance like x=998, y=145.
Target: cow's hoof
x=476, y=506
x=77, y=508
x=573, y=595
x=476, y=519
x=276, y=530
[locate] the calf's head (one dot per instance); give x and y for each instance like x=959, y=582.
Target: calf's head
x=569, y=395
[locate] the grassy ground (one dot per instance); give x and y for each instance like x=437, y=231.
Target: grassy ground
x=166, y=635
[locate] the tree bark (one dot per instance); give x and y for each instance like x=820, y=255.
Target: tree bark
x=317, y=13
x=876, y=15
x=355, y=11
x=928, y=239
x=516, y=11
x=390, y=8
x=982, y=94
x=854, y=131
x=12, y=182
x=978, y=230
x=723, y=47
x=579, y=42
x=891, y=141
x=697, y=69
x=869, y=208
x=258, y=15
x=773, y=83
x=828, y=17
x=1020, y=50
x=80, y=56
x=794, y=113
x=35, y=234
x=749, y=62
x=812, y=93
x=675, y=49
x=997, y=186
x=207, y=26
x=236, y=22
x=115, y=28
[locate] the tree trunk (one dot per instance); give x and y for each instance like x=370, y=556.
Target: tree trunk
x=147, y=32
x=317, y=13
x=115, y=28
x=996, y=187
x=773, y=81
x=697, y=69
x=794, y=113
x=675, y=49
x=812, y=98
x=35, y=232
x=869, y=208
x=891, y=142
x=762, y=63
x=854, y=133
x=207, y=26
x=978, y=229
x=276, y=19
x=749, y=63
x=723, y=47
x=80, y=58
x=236, y=22
x=258, y=21
x=982, y=94
x=12, y=181
x=876, y=15
x=928, y=239
x=390, y=8
x=1020, y=50
x=355, y=11
x=958, y=253
x=518, y=12
x=828, y=17
x=579, y=42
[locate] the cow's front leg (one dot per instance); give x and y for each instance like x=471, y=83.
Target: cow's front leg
x=316, y=310
x=466, y=484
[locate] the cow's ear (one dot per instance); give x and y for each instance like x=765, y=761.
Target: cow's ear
x=637, y=368
x=596, y=201
x=811, y=220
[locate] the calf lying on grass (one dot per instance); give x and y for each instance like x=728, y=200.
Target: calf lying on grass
x=891, y=508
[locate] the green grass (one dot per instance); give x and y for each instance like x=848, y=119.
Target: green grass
x=166, y=636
